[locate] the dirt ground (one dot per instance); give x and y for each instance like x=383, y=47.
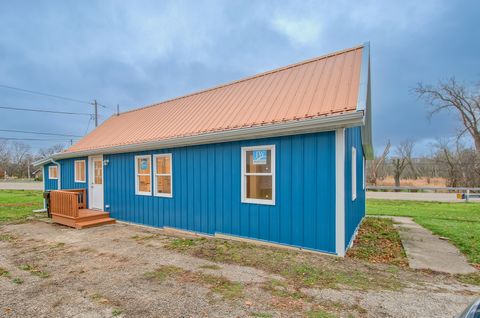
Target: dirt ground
x=47, y=270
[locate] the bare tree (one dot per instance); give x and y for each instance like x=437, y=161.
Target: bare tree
x=46, y=152
x=403, y=159
x=20, y=158
x=377, y=163
x=4, y=157
x=450, y=95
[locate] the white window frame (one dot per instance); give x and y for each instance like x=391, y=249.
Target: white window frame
x=84, y=171
x=354, y=173
x=50, y=172
x=244, y=175
x=155, y=175
x=137, y=190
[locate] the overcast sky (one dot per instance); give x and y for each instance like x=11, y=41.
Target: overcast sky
x=140, y=52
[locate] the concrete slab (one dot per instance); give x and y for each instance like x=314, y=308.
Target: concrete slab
x=427, y=251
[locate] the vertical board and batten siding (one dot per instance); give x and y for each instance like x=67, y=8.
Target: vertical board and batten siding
x=67, y=175
x=354, y=209
x=50, y=184
x=207, y=193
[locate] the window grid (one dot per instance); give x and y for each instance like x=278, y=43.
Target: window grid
x=246, y=174
x=156, y=175
x=138, y=175
x=80, y=177
x=53, y=172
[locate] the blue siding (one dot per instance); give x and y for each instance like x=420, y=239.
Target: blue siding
x=67, y=175
x=207, y=194
x=354, y=209
x=50, y=184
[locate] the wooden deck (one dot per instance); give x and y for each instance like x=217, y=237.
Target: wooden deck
x=67, y=207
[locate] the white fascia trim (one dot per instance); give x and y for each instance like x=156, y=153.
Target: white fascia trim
x=340, y=192
x=363, y=83
x=294, y=127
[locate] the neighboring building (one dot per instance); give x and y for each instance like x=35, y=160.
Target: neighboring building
x=277, y=157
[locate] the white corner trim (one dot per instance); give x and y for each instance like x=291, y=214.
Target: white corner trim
x=340, y=191
x=354, y=173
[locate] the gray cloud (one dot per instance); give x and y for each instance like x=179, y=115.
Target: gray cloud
x=137, y=53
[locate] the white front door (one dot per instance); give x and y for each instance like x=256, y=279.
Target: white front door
x=96, y=182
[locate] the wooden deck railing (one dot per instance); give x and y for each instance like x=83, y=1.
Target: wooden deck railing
x=67, y=202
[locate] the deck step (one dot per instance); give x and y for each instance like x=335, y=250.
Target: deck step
x=89, y=215
x=92, y=223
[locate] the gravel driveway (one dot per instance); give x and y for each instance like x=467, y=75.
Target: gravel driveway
x=47, y=270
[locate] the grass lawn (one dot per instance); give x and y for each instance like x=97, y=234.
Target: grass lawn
x=18, y=204
x=460, y=222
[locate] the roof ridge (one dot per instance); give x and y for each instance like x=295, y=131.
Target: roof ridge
x=249, y=78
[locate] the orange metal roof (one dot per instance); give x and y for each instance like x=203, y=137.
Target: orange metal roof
x=318, y=87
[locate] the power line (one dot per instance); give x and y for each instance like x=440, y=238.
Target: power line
x=54, y=96
x=88, y=125
x=45, y=94
x=38, y=133
x=44, y=111
x=34, y=139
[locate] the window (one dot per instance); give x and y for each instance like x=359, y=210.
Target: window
x=258, y=174
x=80, y=173
x=143, y=175
x=162, y=167
x=97, y=171
x=53, y=172
x=354, y=173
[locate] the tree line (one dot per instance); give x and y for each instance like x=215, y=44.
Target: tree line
x=452, y=159
x=16, y=159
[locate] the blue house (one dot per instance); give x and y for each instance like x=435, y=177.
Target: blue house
x=276, y=157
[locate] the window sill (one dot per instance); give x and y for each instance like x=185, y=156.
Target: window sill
x=258, y=201
x=168, y=196
x=143, y=193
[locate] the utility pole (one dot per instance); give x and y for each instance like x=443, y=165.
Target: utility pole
x=95, y=105
x=118, y=109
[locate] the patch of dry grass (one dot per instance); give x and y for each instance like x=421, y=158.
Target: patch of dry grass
x=7, y=237
x=299, y=269
x=4, y=272
x=472, y=279
x=34, y=270
x=218, y=284
x=212, y=267
x=378, y=241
